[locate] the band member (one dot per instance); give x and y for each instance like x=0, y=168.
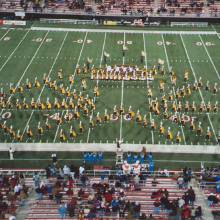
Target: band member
x=161, y=129
x=62, y=136
x=208, y=133
x=73, y=133
x=178, y=138
x=215, y=89
x=40, y=129
x=199, y=130
x=207, y=87
x=169, y=134
x=48, y=126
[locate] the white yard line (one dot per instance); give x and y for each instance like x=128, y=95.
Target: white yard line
x=194, y=74
x=168, y=64
x=14, y=50
x=210, y=58
x=152, y=133
x=122, y=96
x=55, y=137
x=33, y=57
x=32, y=112
x=5, y=34
x=124, y=31
x=97, y=82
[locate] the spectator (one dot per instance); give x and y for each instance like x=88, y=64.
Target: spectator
x=54, y=158
x=198, y=212
x=212, y=199
x=11, y=153
x=62, y=211
x=137, y=209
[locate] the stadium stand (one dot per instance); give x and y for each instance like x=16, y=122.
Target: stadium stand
x=210, y=183
x=112, y=7
x=112, y=196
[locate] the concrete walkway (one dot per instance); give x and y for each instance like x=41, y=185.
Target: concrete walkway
x=97, y=147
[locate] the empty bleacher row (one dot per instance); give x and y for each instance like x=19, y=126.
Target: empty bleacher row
x=112, y=7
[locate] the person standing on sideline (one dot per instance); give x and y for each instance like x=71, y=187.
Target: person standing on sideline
x=54, y=158
x=11, y=153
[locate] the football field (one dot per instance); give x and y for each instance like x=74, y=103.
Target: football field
x=27, y=54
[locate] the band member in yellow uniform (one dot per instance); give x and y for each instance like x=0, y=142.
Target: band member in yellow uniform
x=20, y=89
x=36, y=83
x=188, y=90
x=215, y=107
x=169, y=134
x=199, y=130
x=98, y=119
x=73, y=133
x=106, y=116
x=193, y=107
x=209, y=107
x=28, y=84
x=48, y=104
x=149, y=93
x=29, y=132
x=215, y=89
x=187, y=106
x=60, y=74
x=25, y=105
x=40, y=129
x=153, y=124
x=200, y=84
x=62, y=136
x=208, y=133
x=33, y=104
x=19, y=136
x=178, y=138
x=71, y=80
x=138, y=117
x=186, y=76
x=12, y=89
x=56, y=104
x=161, y=129
x=207, y=87
x=145, y=121
x=48, y=125
x=18, y=104
x=84, y=84
x=192, y=125
x=81, y=129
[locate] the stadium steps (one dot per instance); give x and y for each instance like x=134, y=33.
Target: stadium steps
x=202, y=201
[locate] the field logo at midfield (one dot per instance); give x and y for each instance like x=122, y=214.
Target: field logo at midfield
x=208, y=44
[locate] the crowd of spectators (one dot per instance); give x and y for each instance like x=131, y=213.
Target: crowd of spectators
x=13, y=193
x=140, y=7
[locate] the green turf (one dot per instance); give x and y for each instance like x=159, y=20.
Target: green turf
x=162, y=160
x=33, y=59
